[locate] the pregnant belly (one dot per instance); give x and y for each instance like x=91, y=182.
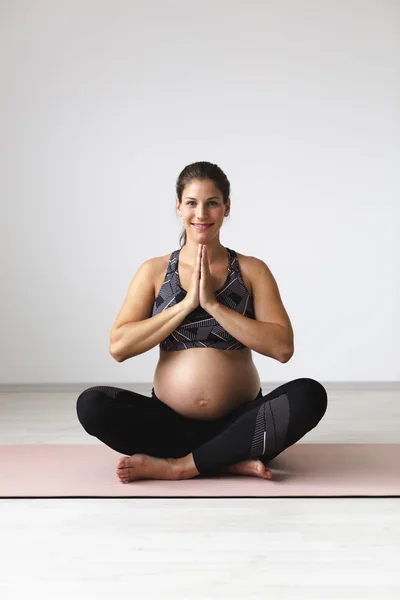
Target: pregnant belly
x=205, y=383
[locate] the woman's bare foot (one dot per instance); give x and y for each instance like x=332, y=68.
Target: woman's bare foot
x=142, y=466
x=250, y=467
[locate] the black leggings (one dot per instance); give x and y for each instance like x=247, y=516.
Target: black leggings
x=132, y=423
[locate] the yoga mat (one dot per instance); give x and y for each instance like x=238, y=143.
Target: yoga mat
x=302, y=470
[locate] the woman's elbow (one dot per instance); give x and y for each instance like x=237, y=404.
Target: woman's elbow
x=286, y=354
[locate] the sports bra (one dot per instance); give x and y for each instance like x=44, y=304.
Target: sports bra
x=199, y=329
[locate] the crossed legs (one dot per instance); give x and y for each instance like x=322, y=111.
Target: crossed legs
x=262, y=430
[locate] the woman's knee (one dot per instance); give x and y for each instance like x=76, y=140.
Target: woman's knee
x=88, y=409
x=314, y=396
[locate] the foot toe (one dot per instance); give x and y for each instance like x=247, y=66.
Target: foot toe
x=123, y=462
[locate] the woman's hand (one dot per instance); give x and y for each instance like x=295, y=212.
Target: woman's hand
x=206, y=293
x=192, y=299
x=200, y=289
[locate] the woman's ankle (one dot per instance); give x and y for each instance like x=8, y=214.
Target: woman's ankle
x=185, y=467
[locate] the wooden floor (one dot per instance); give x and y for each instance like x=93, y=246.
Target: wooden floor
x=204, y=549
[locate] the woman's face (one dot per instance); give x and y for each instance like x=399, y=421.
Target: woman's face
x=202, y=203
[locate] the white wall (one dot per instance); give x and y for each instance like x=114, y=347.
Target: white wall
x=103, y=103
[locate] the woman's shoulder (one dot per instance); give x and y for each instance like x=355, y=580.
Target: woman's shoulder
x=248, y=266
x=247, y=262
x=250, y=262
x=252, y=268
x=159, y=265
x=243, y=257
x=161, y=262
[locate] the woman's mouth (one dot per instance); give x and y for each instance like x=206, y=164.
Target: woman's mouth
x=202, y=227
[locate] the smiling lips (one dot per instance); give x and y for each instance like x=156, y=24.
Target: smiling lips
x=201, y=227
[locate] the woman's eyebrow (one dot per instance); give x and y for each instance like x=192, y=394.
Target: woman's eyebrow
x=212, y=198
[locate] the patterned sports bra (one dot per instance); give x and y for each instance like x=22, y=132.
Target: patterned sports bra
x=199, y=329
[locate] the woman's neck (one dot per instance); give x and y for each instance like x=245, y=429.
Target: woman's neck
x=215, y=253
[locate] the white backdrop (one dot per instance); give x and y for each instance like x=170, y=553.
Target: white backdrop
x=103, y=103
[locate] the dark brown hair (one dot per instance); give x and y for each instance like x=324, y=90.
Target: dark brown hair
x=201, y=170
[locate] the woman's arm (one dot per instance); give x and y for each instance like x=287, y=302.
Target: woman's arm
x=271, y=333
x=136, y=338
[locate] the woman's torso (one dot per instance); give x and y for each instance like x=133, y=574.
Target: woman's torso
x=205, y=383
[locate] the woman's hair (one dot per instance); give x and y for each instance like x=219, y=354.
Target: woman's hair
x=201, y=170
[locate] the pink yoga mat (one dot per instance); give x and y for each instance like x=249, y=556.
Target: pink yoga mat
x=303, y=470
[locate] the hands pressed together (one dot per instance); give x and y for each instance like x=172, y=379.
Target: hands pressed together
x=201, y=286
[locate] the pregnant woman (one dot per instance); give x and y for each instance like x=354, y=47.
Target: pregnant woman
x=207, y=307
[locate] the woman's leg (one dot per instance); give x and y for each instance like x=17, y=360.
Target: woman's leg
x=266, y=426
x=131, y=423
